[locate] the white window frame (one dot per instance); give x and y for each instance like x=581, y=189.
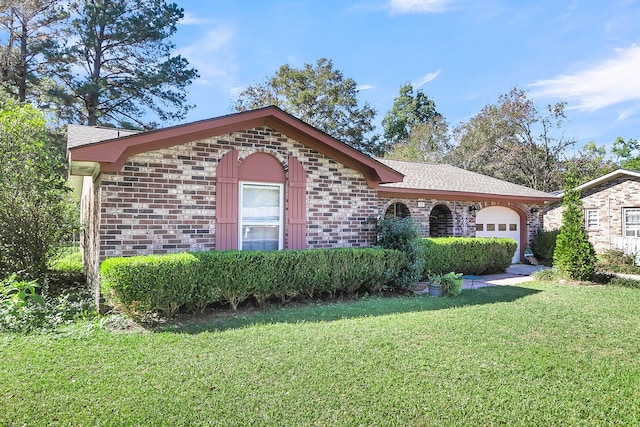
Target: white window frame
x=279, y=222
x=591, y=219
x=635, y=228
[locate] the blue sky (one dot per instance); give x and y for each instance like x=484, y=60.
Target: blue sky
x=462, y=53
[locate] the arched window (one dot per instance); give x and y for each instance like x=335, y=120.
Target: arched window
x=397, y=210
x=261, y=203
x=440, y=222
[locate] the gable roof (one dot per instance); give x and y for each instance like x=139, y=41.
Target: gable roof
x=450, y=182
x=604, y=178
x=110, y=155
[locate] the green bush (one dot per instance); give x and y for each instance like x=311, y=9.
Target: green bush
x=468, y=255
x=403, y=235
x=544, y=244
x=153, y=282
x=617, y=261
x=574, y=256
x=166, y=282
x=23, y=310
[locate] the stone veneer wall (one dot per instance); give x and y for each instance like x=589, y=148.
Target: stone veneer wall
x=464, y=224
x=609, y=198
x=165, y=200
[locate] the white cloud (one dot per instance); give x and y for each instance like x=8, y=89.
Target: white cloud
x=424, y=80
x=210, y=54
x=625, y=114
x=418, y=6
x=364, y=87
x=190, y=19
x=609, y=82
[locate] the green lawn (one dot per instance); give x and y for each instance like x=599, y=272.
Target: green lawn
x=538, y=354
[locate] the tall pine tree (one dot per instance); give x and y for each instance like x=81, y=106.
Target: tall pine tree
x=574, y=256
x=120, y=64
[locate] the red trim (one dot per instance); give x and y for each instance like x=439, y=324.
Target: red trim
x=261, y=167
x=297, y=207
x=227, y=202
x=112, y=154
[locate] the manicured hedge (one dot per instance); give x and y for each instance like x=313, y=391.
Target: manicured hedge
x=467, y=255
x=165, y=283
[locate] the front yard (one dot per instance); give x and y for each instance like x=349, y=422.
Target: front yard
x=539, y=354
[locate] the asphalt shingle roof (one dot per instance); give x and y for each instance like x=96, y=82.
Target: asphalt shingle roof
x=442, y=177
x=78, y=135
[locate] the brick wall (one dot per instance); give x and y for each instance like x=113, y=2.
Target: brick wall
x=463, y=223
x=165, y=200
x=608, y=199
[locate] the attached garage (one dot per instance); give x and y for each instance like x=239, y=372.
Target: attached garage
x=500, y=221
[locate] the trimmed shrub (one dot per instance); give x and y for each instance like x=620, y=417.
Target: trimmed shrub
x=544, y=244
x=153, y=282
x=467, y=255
x=166, y=282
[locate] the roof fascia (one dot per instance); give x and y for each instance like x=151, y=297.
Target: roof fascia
x=413, y=193
x=112, y=154
x=604, y=178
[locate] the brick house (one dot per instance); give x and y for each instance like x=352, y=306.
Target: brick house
x=611, y=211
x=263, y=179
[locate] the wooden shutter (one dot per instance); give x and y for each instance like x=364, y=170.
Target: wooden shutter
x=227, y=202
x=297, y=205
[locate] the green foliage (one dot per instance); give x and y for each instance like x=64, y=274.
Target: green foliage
x=413, y=129
x=617, y=261
x=469, y=255
x=30, y=31
x=36, y=211
x=546, y=275
x=513, y=141
x=24, y=310
x=544, y=244
x=320, y=96
x=143, y=284
x=402, y=234
x=152, y=282
x=450, y=282
x=18, y=293
x=119, y=63
x=624, y=282
x=574, y=256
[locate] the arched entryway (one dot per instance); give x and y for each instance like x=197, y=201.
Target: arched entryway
x=397, y=210
x=440, y=221
x=499, y=221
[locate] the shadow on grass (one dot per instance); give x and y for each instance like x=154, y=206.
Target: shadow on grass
x=323, y=312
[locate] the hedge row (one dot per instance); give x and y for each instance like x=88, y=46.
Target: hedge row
x=467, y=255
x=165, y=283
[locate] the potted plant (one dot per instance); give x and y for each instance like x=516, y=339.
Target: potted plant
x=453, y=283
x=436, y=286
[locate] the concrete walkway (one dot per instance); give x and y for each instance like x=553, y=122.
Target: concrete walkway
x=515, y=274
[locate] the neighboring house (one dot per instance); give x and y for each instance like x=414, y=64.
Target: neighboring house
x=611, y=211
x=263, y=179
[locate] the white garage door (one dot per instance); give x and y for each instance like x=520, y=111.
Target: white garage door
x=498, y=221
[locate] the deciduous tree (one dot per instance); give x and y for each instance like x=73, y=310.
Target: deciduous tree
x=512, y=140
x=320, y=96
x=627, y=152
x=34, y=202
x=414, y=123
